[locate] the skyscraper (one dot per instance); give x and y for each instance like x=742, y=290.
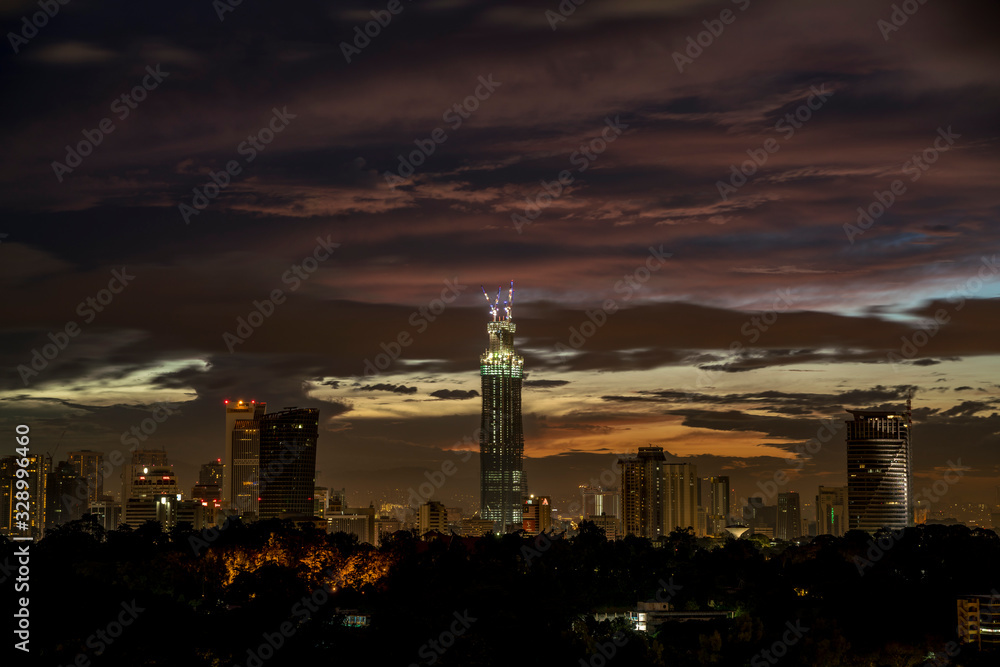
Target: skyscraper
x=788, y=524
x=680, y=496
x=239, y=475
x=11, y=512
x=642, y=485
x=831, y=510
x=63, y=489
x=141, y=458
x=501, y=438
x=878, y=470
x=657, y=496
x=288, y=462
x=717, y=504
x=88, y=466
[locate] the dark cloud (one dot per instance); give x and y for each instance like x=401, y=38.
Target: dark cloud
x=455, y=394
x=545, y=384
x=394, y=388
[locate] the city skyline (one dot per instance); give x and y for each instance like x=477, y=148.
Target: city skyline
x=700, y=278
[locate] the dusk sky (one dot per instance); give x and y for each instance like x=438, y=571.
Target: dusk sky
x=734, y=311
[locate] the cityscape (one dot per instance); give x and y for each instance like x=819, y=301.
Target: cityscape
x=736, y=400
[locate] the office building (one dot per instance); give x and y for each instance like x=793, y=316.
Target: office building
x=501, y=439
x=536, y=515
x=338, y=500
x=321, y=500
x=240, y=483
x=12, y=520
x=475, y=527
x=609, y=524
x=878, y=470
x=89, y=466
x=107, y=512
x=597, y=501
x=152, y=487
x=386, y=525
x=432, y=516
x=831, y=511
x=716, y=503
x=288, y=462
x=142, y=459
x=64, y=488
x=788, y=522
x=359, y=521
x=680, y=497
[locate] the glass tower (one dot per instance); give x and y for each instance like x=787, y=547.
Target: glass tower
x=878, y=470
x=501, y=438
x=288, y=462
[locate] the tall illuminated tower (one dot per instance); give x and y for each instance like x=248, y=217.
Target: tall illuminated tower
x=239, y=474
x=501, y=439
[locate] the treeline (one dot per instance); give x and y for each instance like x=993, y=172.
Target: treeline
x=270, y=594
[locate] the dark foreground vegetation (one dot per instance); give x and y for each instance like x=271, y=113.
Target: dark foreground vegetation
x=268, y=594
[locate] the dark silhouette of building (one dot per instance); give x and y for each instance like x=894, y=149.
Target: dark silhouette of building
x=788, y=524
x=288, y=462
x=67, y=495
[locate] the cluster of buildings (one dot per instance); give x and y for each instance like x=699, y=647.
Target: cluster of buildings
x=269, y=471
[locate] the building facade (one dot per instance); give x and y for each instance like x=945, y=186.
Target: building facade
x=878, y=470
x=537, y=514
x=979, y=620
x=89, y=466
x=240, y=468
x=12, y=499
x=831, y=510
x=432, y=516
x=788, y=519
x=716, y=503
x=501, y=437
x=288, y=462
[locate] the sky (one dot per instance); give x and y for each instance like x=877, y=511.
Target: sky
x=727, y=223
